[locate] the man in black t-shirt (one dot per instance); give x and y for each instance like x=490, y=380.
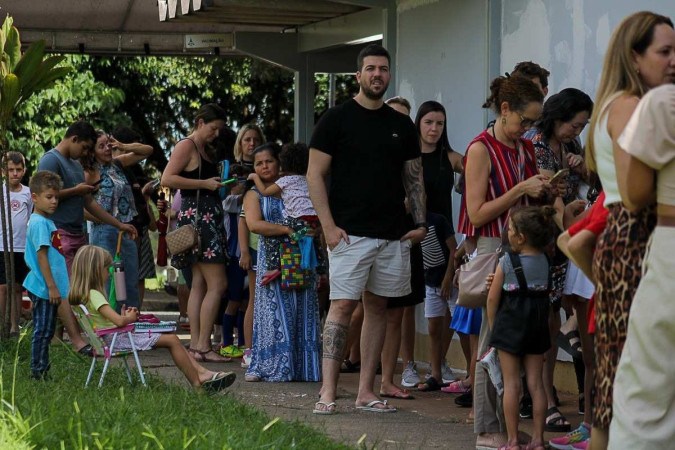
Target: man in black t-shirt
x=372, y=155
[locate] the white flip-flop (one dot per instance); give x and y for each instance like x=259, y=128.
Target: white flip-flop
x=331, y=408
x=370, y=407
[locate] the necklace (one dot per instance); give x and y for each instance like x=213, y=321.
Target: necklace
x=494, y=134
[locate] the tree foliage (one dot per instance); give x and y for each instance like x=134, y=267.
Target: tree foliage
x=40, y=122
x=158, y=96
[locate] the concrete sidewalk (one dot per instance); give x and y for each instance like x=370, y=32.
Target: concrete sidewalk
x=431, y=420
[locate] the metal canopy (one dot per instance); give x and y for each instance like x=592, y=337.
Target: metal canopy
x=164, y=27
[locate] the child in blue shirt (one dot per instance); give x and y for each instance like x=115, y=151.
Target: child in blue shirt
x=47, y=281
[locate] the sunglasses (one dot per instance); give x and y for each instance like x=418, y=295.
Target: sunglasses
x=526, y=122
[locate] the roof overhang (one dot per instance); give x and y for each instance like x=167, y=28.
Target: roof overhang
x=193, y=27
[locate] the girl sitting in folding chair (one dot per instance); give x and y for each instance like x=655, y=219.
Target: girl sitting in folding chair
x=90, y=273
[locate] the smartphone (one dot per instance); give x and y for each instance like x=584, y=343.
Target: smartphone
x=558, y=175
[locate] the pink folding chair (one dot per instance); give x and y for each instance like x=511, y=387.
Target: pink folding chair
x=103, y=350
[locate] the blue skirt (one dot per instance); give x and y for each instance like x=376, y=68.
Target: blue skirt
x=466, y=321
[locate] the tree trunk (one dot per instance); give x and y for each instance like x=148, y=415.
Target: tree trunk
x=9, y=264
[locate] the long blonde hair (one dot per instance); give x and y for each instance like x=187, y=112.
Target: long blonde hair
x=238, y=153
x=634, y=34
x=87, y=273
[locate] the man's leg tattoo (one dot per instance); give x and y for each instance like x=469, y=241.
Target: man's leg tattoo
x=334, y=340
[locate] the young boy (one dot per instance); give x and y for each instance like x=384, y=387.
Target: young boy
x=438, y=250
x=47, y=281
x=21, y=205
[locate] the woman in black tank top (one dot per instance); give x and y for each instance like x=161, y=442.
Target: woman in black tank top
x=191, y=170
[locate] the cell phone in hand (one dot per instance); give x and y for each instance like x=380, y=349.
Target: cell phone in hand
x=558, y=175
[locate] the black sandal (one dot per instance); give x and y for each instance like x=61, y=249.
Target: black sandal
x=350, y=367
x=430, y=384
x=555, y=421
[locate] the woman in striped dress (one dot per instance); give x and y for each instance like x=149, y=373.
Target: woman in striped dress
x=500, y=172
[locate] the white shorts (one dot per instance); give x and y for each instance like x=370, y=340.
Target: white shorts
x=366, y=264
x=435, y=305
x=577, y=283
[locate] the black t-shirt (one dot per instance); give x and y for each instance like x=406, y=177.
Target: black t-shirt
x=439, y=181
x=368, y=149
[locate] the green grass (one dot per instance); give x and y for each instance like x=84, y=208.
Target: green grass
x=61, y=414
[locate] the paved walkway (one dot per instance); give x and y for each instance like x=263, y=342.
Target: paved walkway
x=431, y=420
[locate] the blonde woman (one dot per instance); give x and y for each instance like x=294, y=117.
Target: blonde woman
x=641, y=56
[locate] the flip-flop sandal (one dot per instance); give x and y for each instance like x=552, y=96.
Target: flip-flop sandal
x=431, y=384
x=219, y=381
x=370, y=407
x=329, y=408
x=456, y=387
x=555, y=421
x=401, y=394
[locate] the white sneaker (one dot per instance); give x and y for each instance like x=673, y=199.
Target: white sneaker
x=410, y=377
x=246, y=359
x=447, y=374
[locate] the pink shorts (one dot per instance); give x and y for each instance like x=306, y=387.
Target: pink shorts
x=70, y=244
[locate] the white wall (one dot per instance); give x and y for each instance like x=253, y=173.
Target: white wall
x=442, y=56
x=568, y=37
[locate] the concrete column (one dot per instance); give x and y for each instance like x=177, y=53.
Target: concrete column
x=389, y=41
x=304, y=101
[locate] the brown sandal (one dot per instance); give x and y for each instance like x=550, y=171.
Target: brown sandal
x=204, y=358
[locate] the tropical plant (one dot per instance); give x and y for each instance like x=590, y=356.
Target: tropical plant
x=21, y=76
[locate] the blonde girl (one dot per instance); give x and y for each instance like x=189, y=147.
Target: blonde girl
x=89, y=276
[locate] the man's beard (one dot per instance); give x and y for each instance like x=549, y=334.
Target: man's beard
x=372, y=95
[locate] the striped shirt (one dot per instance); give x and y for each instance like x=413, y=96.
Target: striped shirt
x=509, y=167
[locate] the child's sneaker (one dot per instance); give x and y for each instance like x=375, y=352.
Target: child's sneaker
x=581, y=445
x=567, y=442
x=246, y=359
x=231, y=351
x=447, y=374
x=410, y=377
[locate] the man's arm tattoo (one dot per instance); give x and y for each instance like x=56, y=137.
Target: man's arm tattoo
x=334, y=340
x=413, y=182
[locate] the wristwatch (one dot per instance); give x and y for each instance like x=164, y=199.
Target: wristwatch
x=422, y=225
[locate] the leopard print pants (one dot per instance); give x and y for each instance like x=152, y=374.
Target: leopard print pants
x=617, y=267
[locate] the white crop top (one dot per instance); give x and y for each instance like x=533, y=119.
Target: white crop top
x=604, y=156
x=650, y=137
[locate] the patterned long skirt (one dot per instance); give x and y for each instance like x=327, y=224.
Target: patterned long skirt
x=617, y=267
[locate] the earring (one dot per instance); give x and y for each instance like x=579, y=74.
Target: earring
x=637, y=70
x=503, y=120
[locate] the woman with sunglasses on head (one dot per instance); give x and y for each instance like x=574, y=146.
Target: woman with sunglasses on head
x=500, y=173
x=115, y=195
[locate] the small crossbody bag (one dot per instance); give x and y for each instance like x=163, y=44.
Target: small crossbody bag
x=186, y=237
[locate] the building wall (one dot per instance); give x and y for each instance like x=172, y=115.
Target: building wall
x=442, y=56
x=568, y=37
